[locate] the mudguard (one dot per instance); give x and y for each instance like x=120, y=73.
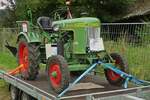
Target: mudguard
x=30, y=37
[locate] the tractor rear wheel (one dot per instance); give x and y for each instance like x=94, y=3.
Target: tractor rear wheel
x=29, y=56
x=112, y=77
x=58, y=73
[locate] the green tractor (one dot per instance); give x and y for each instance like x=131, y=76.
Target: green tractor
x=67, y=46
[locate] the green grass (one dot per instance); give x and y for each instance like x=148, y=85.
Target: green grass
x=7, y=61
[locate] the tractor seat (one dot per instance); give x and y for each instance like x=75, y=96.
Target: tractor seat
x=45, y=23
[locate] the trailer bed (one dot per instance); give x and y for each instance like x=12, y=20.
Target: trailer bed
x=90, y=88
x=99, y=84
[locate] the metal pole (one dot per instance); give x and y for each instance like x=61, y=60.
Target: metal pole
x=78, y=79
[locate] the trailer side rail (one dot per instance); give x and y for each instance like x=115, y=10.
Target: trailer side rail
x=27, y=88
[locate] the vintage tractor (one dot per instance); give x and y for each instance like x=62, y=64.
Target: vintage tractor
x=67, y=46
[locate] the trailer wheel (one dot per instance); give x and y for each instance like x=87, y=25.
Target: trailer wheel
x=14, y=92
x=58, y=73
x=25, y=96
x=112, y=77
x=29, y=56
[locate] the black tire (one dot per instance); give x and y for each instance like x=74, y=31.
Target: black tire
x=14, y=93
x=59, y=65
x=112, y=77
x=33, y=59
x=25, y=96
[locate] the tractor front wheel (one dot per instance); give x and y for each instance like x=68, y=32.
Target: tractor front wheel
x=112, y=77
x=58, y=73
x=29, y=56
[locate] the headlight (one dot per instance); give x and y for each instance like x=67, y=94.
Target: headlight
x=56, y=28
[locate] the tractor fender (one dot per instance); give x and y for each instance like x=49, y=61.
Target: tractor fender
x=31, y=38
x=22, y=34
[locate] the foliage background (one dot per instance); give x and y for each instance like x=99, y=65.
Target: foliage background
x=105, y=10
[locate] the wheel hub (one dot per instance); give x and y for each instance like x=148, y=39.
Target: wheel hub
x=55, y=75
x=114, y=76
x=23, y=58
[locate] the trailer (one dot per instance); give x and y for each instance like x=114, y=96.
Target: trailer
x=98, y=89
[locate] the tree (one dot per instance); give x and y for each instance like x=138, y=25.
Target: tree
x=105, y=10
x=7, y=15
x=38, y=7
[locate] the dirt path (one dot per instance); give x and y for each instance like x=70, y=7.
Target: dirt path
x=4, y=93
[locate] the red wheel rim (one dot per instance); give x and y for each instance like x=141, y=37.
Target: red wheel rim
x=55, y=80
x=23, y=57
x=112, y=75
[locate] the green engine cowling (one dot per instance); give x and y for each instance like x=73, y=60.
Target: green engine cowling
x=83, y=29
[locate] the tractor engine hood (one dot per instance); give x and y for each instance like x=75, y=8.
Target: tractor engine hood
x=78, y=23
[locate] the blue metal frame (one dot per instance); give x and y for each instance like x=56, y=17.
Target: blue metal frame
x=124, y=75
x=78, y=79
